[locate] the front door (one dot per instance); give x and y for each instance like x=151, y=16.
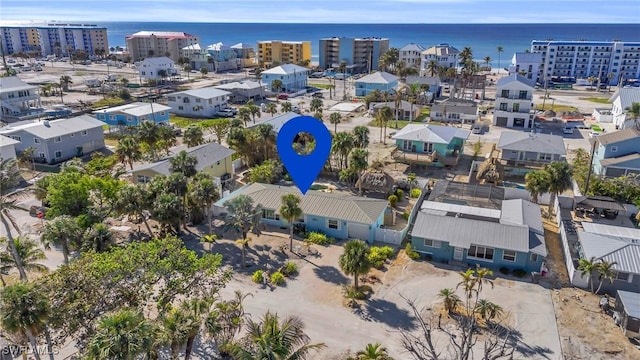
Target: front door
x=457, y=253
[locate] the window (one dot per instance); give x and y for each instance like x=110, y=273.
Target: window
x=614, y=148
x=58, y=154
x=503, y=106
x=332, y=224
x=270, y=214
x=428, y=147
x=36, y=140
x=143, y=179
x=509, y=255
x=15, y=137
x=480, y=252
x=57, y=139
x=505, y=93
x=72, y=134
x=41, y=155
x=534, y=257
x=546, y=157
x=171, y=98
x=84, y=132
x=406, y=145
x=432, y=243
x=180, y=108
x=522, y=94
x=622, y=276
x=516, y=107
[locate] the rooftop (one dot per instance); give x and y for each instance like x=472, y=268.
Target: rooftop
x=431, y=133
x=247, y=85
x=49, y=129
x=630, y=302
x=378, y=77
x=619, y=135
x=478, y=195
x=135, y=109
x=514, y=78
x=276, y=122
x=329, y=205
x=628, y=96
x=14, y=83
x=532, y=142
x=441, y=50
x=206, y=155
x=203, y=93
x=287, y=69
x=625, y=254
x=161, y=34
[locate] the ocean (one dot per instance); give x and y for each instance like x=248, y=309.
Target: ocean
x=482, y=38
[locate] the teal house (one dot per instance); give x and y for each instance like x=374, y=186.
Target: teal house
x=617, y=153
x=379, y=80
x=504, y=234
x=133, y=114
x=338, y=215
x=424, y=144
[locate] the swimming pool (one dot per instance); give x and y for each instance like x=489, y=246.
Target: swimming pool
x=513, y=185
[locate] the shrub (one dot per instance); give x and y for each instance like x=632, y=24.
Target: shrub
x=519, y=273
x=405, y=215
x=257, y=276
x=400, y=194
x=352, y=293
x=378, y=255
x=504, y=271
x=412, y=254
x=318, y=238
x=277, y=278
x=393, y=200
x=415, y=193
x=290, y=268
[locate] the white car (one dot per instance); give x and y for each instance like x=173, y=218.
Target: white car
x=594, y=134
x=567, y=130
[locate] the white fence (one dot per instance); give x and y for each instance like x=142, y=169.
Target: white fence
x=515, y=193
x=389, y=236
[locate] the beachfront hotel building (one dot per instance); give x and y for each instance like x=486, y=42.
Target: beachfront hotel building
x=583, y=59
x=360, y=54
x=144, y=44
x=61, y=39
x=276, y=52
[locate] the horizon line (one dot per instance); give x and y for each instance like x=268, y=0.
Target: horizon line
x=309, y=23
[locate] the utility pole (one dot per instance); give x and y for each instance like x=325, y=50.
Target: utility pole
x=593, y=151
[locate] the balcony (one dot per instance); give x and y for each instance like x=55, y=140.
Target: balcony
x=514, y=97
x=449, y=159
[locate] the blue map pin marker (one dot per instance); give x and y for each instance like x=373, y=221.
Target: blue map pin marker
x=304, y=169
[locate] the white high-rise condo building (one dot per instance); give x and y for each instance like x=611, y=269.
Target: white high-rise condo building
x=62, y=39
x=610, y=61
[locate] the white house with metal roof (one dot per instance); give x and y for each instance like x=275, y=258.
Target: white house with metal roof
x=338, y=215
x=514, y=102
x=527, y=64
x=444, y=54
x=430, y=144
x=204, y=102
x=152, y=68
x=7, y=147
x=242, y=91
x=133, y=114
x=293, y=78
x=18, y=100
x=410, y=54
x=455, y=111
x=622, y=101
x=212, y=158
x=57, y=140
x=379, y=80
x=617, y=153
x=522, y=148
x=276, y=122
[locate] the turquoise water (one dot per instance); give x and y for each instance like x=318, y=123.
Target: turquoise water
x=513, y=185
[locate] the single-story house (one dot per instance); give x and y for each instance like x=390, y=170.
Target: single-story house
x=276, y=121
x=405, y=111
x=430, y=144
x=511, y=237
x=379, y=80
x=204, y=102
x=528, y=148
x=242, y=91
x=54, y=141
x=455, y=110
x=8, y=148
x=133, y=114
x=433, y=82
x=627, y=313
x=212, y=158
x=338, y=215
x=293, y=77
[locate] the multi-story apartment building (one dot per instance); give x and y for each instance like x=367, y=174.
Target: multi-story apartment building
x=410, y=54
x=283, y=52
x=54, y=38
x=513, y=105
x=145, y=44
x=219, y=56
x=444, y=54
x=526, y=64
x=611, y=61
x=360, y=54
x=18, y=100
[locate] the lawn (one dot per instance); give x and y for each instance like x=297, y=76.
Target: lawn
x=183, y=122
x=596, y=100
x=424, y=114
x=556, y=108
x=320, y=86
x=595, y=127
x=108, y=102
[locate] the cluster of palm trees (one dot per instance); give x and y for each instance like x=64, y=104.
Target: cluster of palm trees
x=151, y=140
x=554, y=178
x=601, y=268
x=390, y=61
x=349, y=155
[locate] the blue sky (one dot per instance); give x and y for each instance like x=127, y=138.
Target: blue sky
x=327, y=11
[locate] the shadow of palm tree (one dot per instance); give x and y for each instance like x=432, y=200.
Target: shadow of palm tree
x=389, y=313
x=330, y=274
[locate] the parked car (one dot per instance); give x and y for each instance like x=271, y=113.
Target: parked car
x=318, y=95
x=477, y=129
x=594, y=134
x=283, y=96
x=567, y=130
x=317, y=74
x=225, y=113
x=295, y=109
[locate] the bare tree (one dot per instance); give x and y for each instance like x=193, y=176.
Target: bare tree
x=499, y=340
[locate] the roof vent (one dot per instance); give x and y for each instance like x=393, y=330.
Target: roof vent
x=46, y=123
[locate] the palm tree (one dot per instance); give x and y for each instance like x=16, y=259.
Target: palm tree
x=316, y=105
x=334, y=119
x=286, y=107
x=193, y=136
x=634, y=113
x=98, y=238
x=244, y=114
x=361, y=137
x=450, y=298
x=184, y=164
x=355, y=260
x=559, y=179
x=253, y=109
x=244, y=245
x=226, y=320
x=291, y=211
x=28, y=252
x=276, y=86
x=132, y=199
x=64, y=232
x=128, y=151
x=487, y=61
x=204, y=189
x=342, y=145
x=605, y=272
x=397, y=103
x=342, y=68
x=488, y=310
x=9, y=179
x=433, y=67
x=243, y=215
x=414, y=90
x=272, y=338
x=386, y=114
x=123, y=335
x=537, y=183
x=500, y=50
x=588, y=268
x=373, y=352
x=149, y=134
x=265, y=131
x=65, y=81
x=25, y=310
x=271, y=109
